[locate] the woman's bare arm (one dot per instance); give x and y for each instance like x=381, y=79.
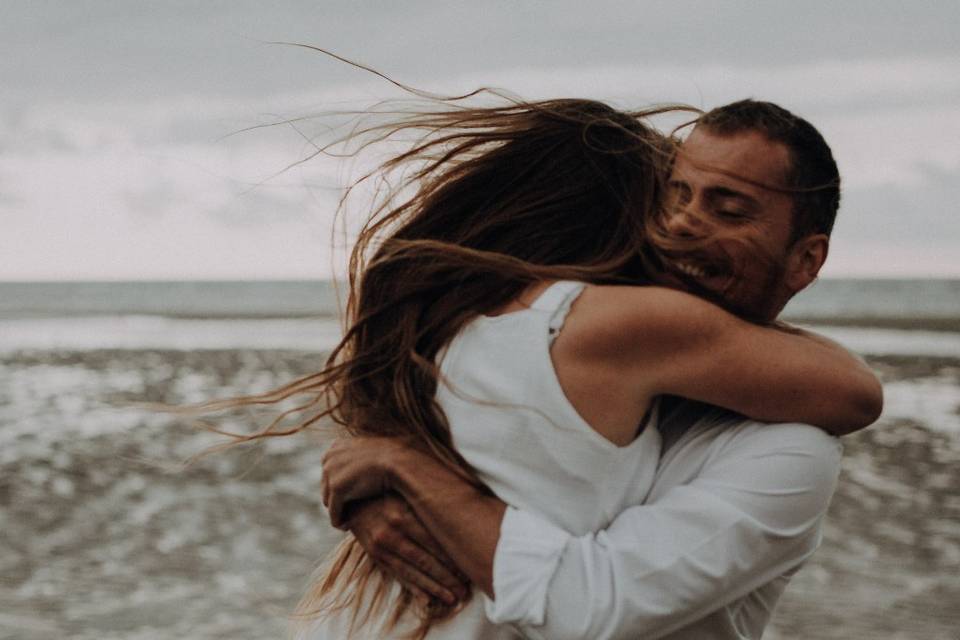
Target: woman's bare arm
x=660, y=341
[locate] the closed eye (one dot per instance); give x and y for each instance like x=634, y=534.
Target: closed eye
x=733, y=215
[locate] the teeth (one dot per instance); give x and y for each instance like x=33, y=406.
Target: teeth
x=691, y=270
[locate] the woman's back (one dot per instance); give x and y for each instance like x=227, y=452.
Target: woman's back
x=512, y=422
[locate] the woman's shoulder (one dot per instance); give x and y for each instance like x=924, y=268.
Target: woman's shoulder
x=642, y=300
x=617, y=317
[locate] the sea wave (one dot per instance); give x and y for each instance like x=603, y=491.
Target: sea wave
x=134, y=332
x=871, y=341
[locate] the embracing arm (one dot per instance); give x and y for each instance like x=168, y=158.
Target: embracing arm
x=751, y=514
x=668, y=342
x=464, y=521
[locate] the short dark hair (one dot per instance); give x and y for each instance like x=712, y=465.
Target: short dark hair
x=813, y=178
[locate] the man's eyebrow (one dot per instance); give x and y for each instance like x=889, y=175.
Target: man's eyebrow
x=725, y=192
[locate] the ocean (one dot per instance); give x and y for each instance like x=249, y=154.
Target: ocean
x=848, y=300
x=103, y=534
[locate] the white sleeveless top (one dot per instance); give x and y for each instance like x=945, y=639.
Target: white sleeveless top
x=512, y=422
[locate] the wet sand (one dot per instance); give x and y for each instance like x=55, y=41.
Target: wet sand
x=101, y=539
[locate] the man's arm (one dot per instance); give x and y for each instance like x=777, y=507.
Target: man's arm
x=401, y=546
x=752, y=514
x=464, y=520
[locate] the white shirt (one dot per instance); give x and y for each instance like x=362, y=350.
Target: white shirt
x=735, y=510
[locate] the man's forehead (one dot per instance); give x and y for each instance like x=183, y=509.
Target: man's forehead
x=747, y=156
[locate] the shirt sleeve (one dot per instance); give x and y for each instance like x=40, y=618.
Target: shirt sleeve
x=752, y=513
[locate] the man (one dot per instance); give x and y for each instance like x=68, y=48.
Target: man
x=736, y=507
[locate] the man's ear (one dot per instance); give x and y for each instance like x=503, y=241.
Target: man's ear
x=806, y=257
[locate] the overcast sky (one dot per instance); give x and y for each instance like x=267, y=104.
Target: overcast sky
x=114, y=165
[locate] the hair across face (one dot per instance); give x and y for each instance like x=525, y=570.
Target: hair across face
x=726, y=225
x=813, y=178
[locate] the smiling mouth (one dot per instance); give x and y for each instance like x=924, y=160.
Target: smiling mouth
x=690, y=269
x=694, y=270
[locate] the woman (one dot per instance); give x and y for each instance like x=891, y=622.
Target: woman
x=521, y=220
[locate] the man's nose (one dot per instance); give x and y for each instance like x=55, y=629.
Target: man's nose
x=682, y=222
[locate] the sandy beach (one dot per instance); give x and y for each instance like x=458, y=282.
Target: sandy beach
x=104, y=537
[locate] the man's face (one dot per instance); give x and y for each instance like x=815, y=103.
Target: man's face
x=717, y=192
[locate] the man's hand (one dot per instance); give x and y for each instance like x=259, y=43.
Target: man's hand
x=356, y=468
x=464, y=519
x=399, y=544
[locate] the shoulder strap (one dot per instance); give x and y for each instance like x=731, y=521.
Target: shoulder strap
x=557, y=299
x=558, y=293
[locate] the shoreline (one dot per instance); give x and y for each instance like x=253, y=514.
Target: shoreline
x=944, y=324
x=313, y=334
x=934, y=324
x=105, y=540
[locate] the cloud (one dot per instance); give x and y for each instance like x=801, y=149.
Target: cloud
x=266, y=205
x=924, y=217
x=902, y=229
x=890, y=122
x=818, y=84
x=894, y=146
x=102, y=51
x=87, y=179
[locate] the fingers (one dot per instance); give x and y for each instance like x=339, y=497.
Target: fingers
x=393, y=536
x=344, y=480
x=409, y=575
x=353, y=469
x=424, y=563
x=331, y=500
x=335, y=510
x=438, y=564
x=391, y=549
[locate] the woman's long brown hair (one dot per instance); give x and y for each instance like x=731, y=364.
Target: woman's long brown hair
x=496, y=198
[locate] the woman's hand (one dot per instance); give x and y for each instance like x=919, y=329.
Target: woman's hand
x=356, y=468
